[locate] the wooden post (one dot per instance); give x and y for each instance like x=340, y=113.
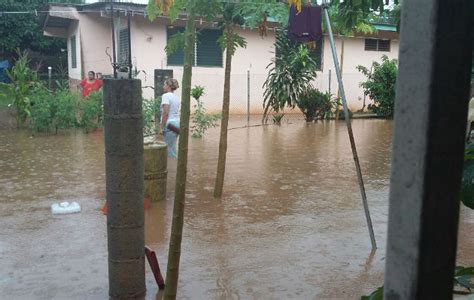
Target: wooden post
x=123, y=134
x=430, y=122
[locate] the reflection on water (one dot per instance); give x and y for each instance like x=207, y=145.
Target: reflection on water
x=290, y=225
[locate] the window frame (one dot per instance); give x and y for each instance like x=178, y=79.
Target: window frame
x=377, y=47
x=196, y=48
x=73, y=41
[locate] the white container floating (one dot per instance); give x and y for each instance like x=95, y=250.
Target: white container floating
x=65, y=208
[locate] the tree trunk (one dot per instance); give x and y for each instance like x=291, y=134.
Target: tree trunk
x=174, y=254
x=225, y=116
x=342, y=68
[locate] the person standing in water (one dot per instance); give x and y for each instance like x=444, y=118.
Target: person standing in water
x=170, y=106
x=90, y=84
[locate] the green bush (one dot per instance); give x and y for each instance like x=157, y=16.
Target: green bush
x=202, y=121
x=316, y=105
x=290, y=75
x=52, y=110
x=18, y=92
x=91, y=111
x=41, y=119
x=380, y=85
x=277, y=118
x=151, y=116
x=467, y=190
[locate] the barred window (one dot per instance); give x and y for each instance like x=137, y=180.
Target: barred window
x=208, y=52
x=377, y=45
x=73, y=52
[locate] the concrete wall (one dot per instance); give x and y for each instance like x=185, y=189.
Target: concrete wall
x=354, y=55
x=148, y=53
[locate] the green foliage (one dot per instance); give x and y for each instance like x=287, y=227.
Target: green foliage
x=202, y=121
x=380, y=85
x=231, y=38
x=91, y=111
x=277, y=118
x=255, y=12
x=19, y=90
x=151, y=116
x=315, y=104
x=290, y=75
x=197, y=92
x=464, y=277
x=175, y=43
x=375, y=295
x=52, y=110
x=467, y=190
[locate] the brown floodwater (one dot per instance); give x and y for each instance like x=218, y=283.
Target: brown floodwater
x=290, y=224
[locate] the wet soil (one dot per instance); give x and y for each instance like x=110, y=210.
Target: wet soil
x=290, y=224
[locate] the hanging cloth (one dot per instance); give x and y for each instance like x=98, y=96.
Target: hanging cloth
x=305, y=26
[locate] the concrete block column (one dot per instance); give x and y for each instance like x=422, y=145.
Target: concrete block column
x=123, y=132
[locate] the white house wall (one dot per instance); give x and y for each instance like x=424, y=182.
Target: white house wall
x=354, y=55
x=148, y=53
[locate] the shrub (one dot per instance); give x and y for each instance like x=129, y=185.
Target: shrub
x=291, y=73
x=23, y=80
x=41, y=109
x=91, y=111
x=50, y=110
x=467, y=190
x=277, y=118
x=202, y=121
x=151, y=116
x=315, y=104
x=380, y=85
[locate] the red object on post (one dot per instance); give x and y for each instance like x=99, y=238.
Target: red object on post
x=155, y=267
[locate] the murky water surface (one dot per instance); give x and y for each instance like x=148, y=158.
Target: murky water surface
x=290, y=225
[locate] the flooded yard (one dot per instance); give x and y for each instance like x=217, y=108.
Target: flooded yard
x=290, y=225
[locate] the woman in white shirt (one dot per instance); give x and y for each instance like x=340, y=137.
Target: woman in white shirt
x=170, y=105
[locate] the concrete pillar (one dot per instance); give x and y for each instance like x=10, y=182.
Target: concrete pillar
x=430, y=123
x=156, y=160
x=123, y=132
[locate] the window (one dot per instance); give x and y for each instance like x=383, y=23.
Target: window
x=207, y=50
x=73, y=52
x=377, y=45
x=123, y=46
x=177, y=58
x=209, y=53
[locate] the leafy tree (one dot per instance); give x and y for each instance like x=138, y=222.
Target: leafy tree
x=207, y=10
x=380, y=85
x=229, y=42
x=23, y=31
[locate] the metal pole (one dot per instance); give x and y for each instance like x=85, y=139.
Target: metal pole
x=129, y=46
x=349, y=128
x=50, y=69
x=248, y=96
x=114, y=63
x=329, y=81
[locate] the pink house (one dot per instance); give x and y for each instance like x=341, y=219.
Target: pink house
x=88, y=31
